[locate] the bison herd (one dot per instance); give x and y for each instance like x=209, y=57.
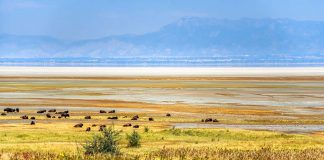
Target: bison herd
x=52, y=112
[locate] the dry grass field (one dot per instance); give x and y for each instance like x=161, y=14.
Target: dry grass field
x=258, y=117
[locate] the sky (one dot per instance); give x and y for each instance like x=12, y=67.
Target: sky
x=89, y=19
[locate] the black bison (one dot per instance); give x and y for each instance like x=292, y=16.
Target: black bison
x=208, y=120
x=41, y=111
x=168, y=115
x=48, y=115
x=32, y=123
x=102, y=111
x=115, y=117
x=135, y=117
x=151, y=119
x=88, y=129
x=215, y=120
x=24, y=117
x=94, y=125
x=9, y=110
x=17, y=109
x=59, y=117
x=101, y=128
x=52, y=110
x=3, y=114
x=87, y=117
x=112, y=111
x=79, y=125
x=65, y=115
x=136, y=126
x=53, y=117
x=127, y=125
x=32, y=118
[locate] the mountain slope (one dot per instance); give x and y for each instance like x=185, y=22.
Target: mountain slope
x=186, y=37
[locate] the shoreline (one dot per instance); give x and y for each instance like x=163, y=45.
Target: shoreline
x=161, y=71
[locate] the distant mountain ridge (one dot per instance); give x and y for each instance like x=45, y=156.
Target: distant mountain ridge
x=189, y=37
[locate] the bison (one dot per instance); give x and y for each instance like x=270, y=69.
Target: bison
x=208, y=120
x=102, y=111
x=3, y=114
x=41, y=111
x=32, y=123
x=48, y=115
x=17, y=109
x=115, y=117
x=52, y=110
x=168, y=115
x=87, y=117
x=9, y=110
x=151, y=119
x=94, y=125
x=32, y=118
x=135, y=117
x=79, y=125
x=101, y=128
x=24, y=117
x=65, y=115
x=127, y=125
x=112, y=111
x=88, y=129
x=136, y=126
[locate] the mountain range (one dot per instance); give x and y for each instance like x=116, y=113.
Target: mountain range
x=187, y=37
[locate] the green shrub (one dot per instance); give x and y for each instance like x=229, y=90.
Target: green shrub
x=106, y=142
x=146, y=129
x=134, y=139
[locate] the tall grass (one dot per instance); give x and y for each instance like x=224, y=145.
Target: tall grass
x=182, y=154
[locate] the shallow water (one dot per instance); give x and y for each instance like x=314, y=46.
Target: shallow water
x=280, y=128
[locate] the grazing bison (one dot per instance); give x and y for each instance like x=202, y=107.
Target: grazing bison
x=135, y=117
x=151, y=119
x=88, y=129
x=48, y=115
x=202, y=120
x=168, y=115
x=65, y=115
x=24, y=117
x=9, y=110
x=115, y=117
x=41, y=111
x=66, y=111
x=208, y=120
x=101, y=128
x=112, y=111
x=79, y=125
x=53, y=117
x=52, y=110
x=102, y=111
x=3, y=114
x=136, y=126
x=59, y=117
x=87, y=117
x=17, y=109
x=127, y=125
x=94, y=125
x=32, y=123
x=32, y=118
x=215, y=120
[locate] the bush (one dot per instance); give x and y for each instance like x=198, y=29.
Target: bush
x=146, y=129
x=134, y=139
x=106, y=142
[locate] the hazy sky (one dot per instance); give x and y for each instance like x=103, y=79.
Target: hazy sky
x=83, y=19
